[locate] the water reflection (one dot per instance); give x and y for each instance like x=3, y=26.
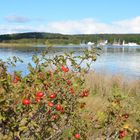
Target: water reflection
x=113, y=60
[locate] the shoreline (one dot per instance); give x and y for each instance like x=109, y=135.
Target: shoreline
x=18, y=45
x=58, y=45
x=33, y=44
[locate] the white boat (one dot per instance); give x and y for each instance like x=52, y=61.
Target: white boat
x=103, y=43
x=87, y=44
x=90, y=43
x=129, y=44
x=116, y=43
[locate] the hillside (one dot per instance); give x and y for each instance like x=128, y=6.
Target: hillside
x=55, y=38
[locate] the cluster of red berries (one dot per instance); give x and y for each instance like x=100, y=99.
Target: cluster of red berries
x=38, y=97
x=64, y=69
x=51, y=104
x=85, y=93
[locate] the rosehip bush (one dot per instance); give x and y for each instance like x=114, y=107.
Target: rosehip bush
x=46, y=103
x=119, y=119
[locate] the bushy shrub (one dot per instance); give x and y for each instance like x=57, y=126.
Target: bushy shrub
x=49, y=103
x=45, y=104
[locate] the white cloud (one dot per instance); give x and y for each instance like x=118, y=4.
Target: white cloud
x=129, y=25
x=84, y=26
x=17, y=19
x=8, y=29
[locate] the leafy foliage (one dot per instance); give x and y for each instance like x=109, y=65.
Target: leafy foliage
x=49, y=102
x=45, y=102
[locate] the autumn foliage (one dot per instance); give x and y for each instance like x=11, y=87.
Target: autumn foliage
x=48, y=103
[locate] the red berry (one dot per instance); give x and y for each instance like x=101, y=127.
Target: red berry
x=54, y=117
x=81, y=95
x=49, y=112
x=58, y=107
x=62, y=111
x=16, y=79
x=40, y=94
x=25, y=101
x=50, y=73
x=53, y=95
x=65, y=69
x=50, y=104
x=77, y=136
x=126, y=116
x=62, y=68
x=72, y=90
x=46, y=87
x=85, y=94
x=38, y=99
x=68, y=82
x=122, y=134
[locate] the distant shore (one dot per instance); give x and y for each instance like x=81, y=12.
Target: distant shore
x=31, y=45
x=18, y=44
x=8, y=45
x=56, y=39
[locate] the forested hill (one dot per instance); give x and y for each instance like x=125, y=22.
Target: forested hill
x=55, y=38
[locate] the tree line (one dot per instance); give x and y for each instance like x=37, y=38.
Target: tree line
x=56, y=38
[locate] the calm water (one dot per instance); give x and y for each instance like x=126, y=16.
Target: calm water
x=112, y=60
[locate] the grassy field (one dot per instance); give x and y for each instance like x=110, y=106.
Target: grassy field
x=17, y=44
x=104, y=87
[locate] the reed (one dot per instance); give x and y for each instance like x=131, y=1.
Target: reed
x=103, y=86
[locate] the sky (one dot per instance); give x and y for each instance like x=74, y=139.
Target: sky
x=70, y=16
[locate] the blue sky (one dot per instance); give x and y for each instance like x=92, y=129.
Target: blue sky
x=70, y=16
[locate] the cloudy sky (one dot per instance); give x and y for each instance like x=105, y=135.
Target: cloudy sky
x=70, y=16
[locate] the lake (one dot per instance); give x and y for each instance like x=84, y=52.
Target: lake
x=120, y=60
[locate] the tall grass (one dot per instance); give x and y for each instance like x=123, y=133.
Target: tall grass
x=102, y=86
